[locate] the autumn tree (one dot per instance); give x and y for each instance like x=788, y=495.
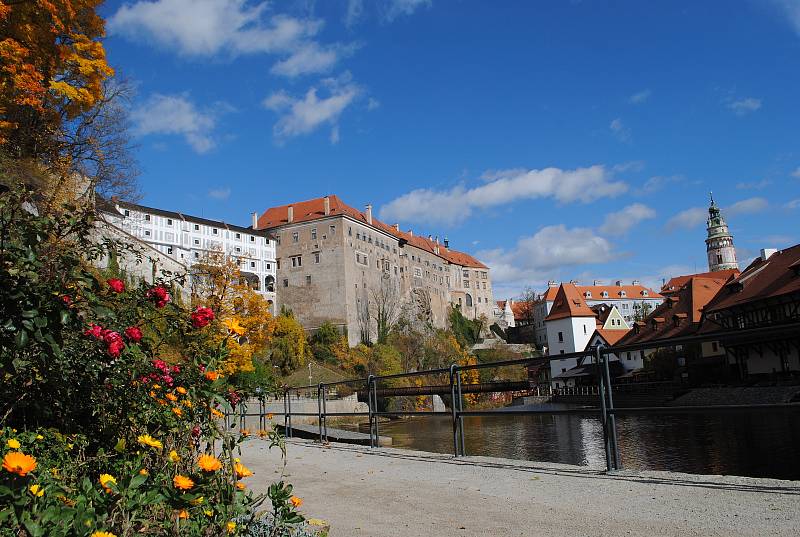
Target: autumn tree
x=526, y=305
x=242, y=314
x=62, y=119
x=384, y=307
x=289, y=349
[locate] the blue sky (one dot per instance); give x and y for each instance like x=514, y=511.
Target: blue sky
x=552, y=139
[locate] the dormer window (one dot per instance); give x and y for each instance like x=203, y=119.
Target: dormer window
x=622, y=293
x=605, y=294
x=588, y=294
x=645, y=293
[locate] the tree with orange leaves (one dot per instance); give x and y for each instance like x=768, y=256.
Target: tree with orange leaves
x=59, y=113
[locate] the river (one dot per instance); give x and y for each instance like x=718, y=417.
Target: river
x=744, y=443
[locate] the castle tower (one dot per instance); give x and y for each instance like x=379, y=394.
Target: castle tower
x=719, y=244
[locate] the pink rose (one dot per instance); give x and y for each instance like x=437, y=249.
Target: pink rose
x=134, y=334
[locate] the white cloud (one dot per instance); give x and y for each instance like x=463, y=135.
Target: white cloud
x=657, y=182
x=620, y=130
x=754, y=185
x=302, y=115
x=796, y=173
x=355, y=10
x=175, y=114
x=687, y=219
x=630, y=166
x=742, y=107
x=791, y=10
x=550, y=248
x=400, y=8
x=748, y=206
x=640, y=97
x=373, y=104
x=220, y=193
x=502, y=187
x=794, y=204
x=210, y=27
x=622, y=221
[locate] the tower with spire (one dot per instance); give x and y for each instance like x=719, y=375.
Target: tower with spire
x=719, y=244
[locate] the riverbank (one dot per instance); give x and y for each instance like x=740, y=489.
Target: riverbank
x=401, y=493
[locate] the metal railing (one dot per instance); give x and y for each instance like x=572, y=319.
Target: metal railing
x=604, y=390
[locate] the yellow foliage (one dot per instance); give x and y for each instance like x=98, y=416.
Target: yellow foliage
x=243, y=316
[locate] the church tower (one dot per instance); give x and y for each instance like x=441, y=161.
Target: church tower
x=719, y=244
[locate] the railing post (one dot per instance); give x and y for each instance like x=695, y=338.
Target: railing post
x=370, y=406
x=375, y=399
x=460, y=410
x=612, y=419
x=453, y=408
x=603, y=410
x=289, y=413
x=324, y=413
x=319, y=410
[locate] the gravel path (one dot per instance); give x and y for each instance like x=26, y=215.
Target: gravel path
x=401, y=493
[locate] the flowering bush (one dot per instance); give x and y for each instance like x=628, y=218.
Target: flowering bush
x=111, y=397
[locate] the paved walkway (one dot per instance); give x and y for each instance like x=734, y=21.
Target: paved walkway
x=399, y=493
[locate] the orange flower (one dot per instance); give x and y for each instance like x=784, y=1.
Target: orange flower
x=19, y=463
x=152, y=393
x=177, y=411
x=208, y=463
x=270, y=416
x=216, y=413
x=212, y=375
x=296, y=502
x=240, y=485
x=187, y=403
x=184, y=514
x=181, y=390
x=245, y=432
x=182, y=482
x=171, y=397
x=262, y=433
x=242, y=471
x=144, y=471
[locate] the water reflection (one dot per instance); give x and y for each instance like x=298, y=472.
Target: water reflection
x=758, y=444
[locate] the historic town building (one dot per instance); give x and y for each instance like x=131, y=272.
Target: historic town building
x=719, y=244
x=341, y=265
x=632, y=301
x=187, y=239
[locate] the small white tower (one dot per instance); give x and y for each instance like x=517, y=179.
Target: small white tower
x=719, y=244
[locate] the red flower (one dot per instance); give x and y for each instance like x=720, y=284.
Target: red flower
x=94, y=330
x=202, y=316
x=116, y=285
x=114, y=342
x=67, y=300
x=159, y=295
x=134, y=334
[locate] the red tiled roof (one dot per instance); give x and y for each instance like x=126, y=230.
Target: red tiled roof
x=631, y=291
x=685, y=304
x=314, y=209
x=501, y=304
x=611, y=336
x=569, y=303
x=762, y=279
x=674, y=284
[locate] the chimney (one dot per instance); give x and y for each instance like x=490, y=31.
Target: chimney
x=430, y=237
x=396, y=227
x=636, y=282
x=290, y=214
x=326, y=201
x=446, y=242
x=436, y=239
x=619, y=283
x=597, y=282
x=552, y=283
x=410, y=232
x=369, y=214
x=255, y=220
x=767, y=252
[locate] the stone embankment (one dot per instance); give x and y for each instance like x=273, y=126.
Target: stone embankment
x=399, y=493
x=767, y=395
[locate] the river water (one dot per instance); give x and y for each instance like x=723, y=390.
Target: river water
x=744, y=443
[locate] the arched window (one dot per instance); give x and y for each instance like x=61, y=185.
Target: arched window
x=469, y=300
x=269, y=284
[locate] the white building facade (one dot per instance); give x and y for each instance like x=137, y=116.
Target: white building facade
x=188, y=239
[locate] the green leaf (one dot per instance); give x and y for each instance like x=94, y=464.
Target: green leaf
x=22, y=339
x=137, y=481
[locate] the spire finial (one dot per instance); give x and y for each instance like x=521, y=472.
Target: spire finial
x=711, y=195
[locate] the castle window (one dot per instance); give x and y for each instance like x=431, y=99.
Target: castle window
x=297, y=260
x=313, y=234
x=169, y=250
x=269, y=284
x=316, y=257
x=215, y=231
x=333, y=230
x=197, y=242
x=238, y=236
x=127, y=212
x=147, y=218
x=561, y=338
x=146, y=232
x=308, y=279
x=285, y=282
x=197, y=227
x=295, y=236
x=469, y=300
x=252, y=239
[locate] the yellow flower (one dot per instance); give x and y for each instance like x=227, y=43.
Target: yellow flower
x=147, y=440
x=181, y=390
x=187, y=403
x=106, y=480
x=13, y=443
x=144, y=471
x=262, y=433
x=184, y=514
x=209, y=512
x=197, y=501
x=171, y=397
x=156, y=387
x=240, y=485
x=103, y=534
x=174, y=457
x=177, y=411
x=241, y=470
x=36, y=490
x=296, y=502
x=234, y=326
x=70, y=446
x=19, y=463
x=39, y=437
x=231, y=527
x=182, y=482
x=208, y=463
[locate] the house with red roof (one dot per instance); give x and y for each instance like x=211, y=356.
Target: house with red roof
x=338, y=264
